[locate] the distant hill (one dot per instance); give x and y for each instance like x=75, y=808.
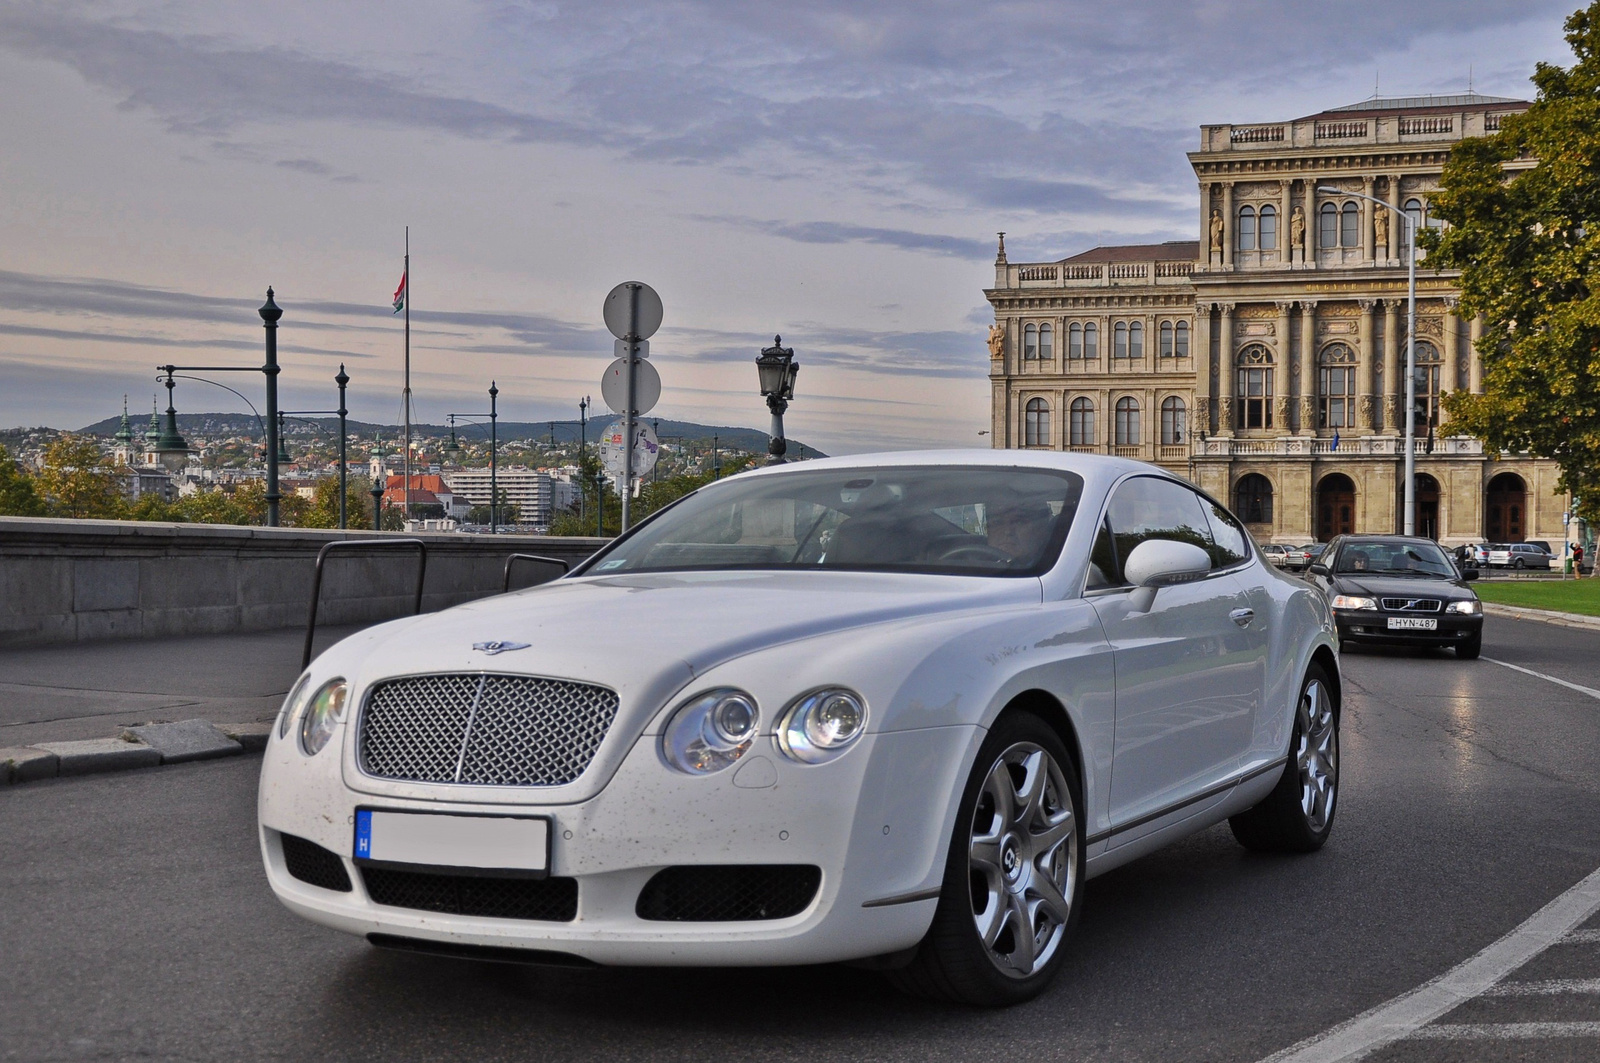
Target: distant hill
x=242, y=424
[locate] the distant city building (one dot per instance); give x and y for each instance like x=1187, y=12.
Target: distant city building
x=530, y=490
x=427, y=489
x=1265, y=361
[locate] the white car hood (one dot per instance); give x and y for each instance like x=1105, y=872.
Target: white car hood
x=647, y=636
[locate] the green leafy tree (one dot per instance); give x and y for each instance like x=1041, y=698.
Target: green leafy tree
x=17, y=495
x=1527, y=243
x=323, y=511
x=78, y=481
x=652, y=496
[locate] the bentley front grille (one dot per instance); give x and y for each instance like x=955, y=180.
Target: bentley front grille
x=486, y=730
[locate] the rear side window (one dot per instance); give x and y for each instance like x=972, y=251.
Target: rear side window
x=1148, y=508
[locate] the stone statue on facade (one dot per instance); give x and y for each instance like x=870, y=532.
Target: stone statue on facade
x=997, y=340
x=1380, y=230
x=1297, y=229
x=1216, y=230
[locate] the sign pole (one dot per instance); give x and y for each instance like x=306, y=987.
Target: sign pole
x=629, y=414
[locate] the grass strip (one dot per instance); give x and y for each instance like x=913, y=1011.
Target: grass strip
x=1563, y=596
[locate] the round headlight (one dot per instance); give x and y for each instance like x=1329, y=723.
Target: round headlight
x=710, y=731
x=293, y=703
x=822, y=725
x=323, y=716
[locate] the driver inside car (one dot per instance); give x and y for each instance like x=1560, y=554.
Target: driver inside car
x=1019, y=529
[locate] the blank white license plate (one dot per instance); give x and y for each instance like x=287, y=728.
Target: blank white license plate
x=1412, y=623
x=500, y=843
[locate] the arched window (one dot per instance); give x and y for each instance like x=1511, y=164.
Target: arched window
x=1080, y=423
x=1252, y=499
x=1267, y=229
x=1030, y=343
x=1075, y=340
x=1427, y=386
x=1247, y=228
x=1328, y=226
x=1036, y=424
x=1091, y=340
x=1414, y=214
x=1337, y=394
x=1047, y=342
x=1174, y=421
x=1350, y=226
x=1166, y=339
x=1183, y=340
x=1127, y=424
x=1255, y=387
x=1136, y=340
x=1119, y=340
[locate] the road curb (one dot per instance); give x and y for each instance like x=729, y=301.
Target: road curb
x=174, y=743
x=1548, y=616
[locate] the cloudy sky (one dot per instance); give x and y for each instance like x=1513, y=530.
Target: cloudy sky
x=832, y=171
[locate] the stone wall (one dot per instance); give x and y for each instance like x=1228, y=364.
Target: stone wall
x=69, y=580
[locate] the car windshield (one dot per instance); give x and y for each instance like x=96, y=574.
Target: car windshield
x=1395, y=559
x=978, y=520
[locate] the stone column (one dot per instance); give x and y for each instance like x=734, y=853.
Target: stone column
x=1225, y=373
x=1308, y=367
x=1367, y=415
x=1228, y=222
x=1475, y=359
x=1452, y=353
x=1311, y=222
x=1285, y=213
x=1281, y=398
x=1200, y=354
x=1396, y=236
x=1366, y=220
x=1393, y=339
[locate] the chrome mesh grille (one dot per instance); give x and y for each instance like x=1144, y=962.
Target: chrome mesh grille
x=1411, y=605
x=488, y=730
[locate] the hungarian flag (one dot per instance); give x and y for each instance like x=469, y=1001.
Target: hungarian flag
x=400, y=295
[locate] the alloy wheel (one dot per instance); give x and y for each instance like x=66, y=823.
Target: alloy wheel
x=1023, y=859
x=1317, y=756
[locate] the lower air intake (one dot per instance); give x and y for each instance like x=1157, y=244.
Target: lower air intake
x=549, y=900
x=314, y=865
x=725, y=893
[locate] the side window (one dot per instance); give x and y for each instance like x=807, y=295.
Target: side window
x=1229, y=544
x=1150, y=508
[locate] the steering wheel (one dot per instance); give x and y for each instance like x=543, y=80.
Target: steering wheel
x=977, y=552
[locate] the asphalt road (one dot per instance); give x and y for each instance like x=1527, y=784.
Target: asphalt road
x=136, y=923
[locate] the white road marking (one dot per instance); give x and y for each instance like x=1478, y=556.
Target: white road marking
x=1591, y=691
x=1548, y=988
x=1507, y=1031
x=1581, y=937
x=1410, y=1012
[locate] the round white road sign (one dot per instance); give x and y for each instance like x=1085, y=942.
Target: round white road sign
x=646, y=448
x=618, y=309
x=646, y=386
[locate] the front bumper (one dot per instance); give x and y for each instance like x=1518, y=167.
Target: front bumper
x=1371, y=626
x=876, y=822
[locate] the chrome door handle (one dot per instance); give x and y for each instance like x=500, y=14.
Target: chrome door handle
x=1242, y=617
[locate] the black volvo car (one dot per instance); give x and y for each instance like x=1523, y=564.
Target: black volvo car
x=1399, y=590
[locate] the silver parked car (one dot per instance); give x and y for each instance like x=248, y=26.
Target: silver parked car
x=1518, y=556
x=1274, y=553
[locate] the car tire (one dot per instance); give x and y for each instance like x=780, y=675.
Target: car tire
x=1297, y=816
x=973, y=954
x=1518, y=563
x=1469, y=650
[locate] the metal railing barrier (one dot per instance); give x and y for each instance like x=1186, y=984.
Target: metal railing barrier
x=566, y=566
x=359, y=544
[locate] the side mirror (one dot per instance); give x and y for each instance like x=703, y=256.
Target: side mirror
x=1469, y=573
x=1318, y=569
x=1157, y=563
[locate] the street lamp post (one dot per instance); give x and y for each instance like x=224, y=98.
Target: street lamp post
x=777, y=369
x=1411, y=350
x=494, y=447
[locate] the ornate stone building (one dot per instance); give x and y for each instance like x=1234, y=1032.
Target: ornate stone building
x=1265, y=361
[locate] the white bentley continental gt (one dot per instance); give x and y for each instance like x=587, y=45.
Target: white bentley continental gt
x=893, y=709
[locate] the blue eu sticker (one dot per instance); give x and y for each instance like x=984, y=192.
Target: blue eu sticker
x=363, y=833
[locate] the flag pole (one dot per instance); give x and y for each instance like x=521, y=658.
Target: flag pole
x=406, y=411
